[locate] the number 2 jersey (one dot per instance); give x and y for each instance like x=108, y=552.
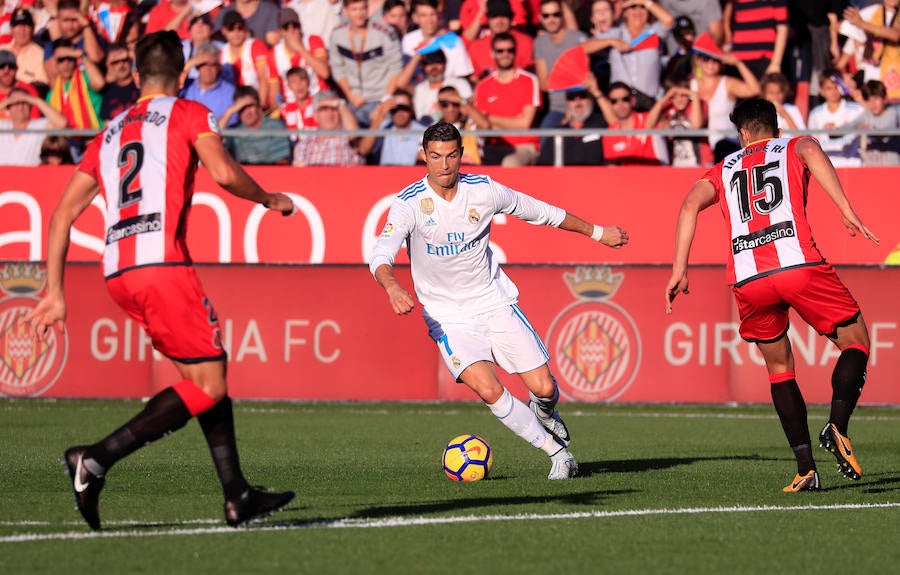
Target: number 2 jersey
x=145, y=163
x=762, y=192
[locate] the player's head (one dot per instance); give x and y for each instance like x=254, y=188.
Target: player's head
x=159, y=58
x=755, y=118
x=442, y=143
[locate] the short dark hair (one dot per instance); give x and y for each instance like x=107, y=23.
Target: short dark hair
x=756, y=115
x=502, y=37
x=242, y=91
x=441, y=132
x=160, y=55
x=874, y=88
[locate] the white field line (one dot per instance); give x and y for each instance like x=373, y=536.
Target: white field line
x=350, y=523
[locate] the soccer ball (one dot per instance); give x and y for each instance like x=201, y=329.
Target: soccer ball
x=467, y=458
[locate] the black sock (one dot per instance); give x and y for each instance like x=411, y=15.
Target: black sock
x=163, y=414
x=847, y=382
x=218, y=428
x=791, y=411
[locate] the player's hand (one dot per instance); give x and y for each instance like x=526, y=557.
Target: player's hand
x=614, y=236
x=281, y=203
x=676, y=284
x=401, y=301
x=855, y=226
x=51, y=311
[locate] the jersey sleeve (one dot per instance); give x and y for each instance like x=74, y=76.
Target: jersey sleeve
x=714, y=177
x=317, y=47
x=400, y=222
x=524, y=207
x=198, y=121
x=259, y=52
x=90, y=162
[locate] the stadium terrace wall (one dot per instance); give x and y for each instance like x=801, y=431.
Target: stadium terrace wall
x=344, y=209
x=326, y=332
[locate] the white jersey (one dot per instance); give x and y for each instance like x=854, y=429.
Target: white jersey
x=453, y=268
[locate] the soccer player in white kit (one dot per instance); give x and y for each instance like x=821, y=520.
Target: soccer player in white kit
x=470, y=305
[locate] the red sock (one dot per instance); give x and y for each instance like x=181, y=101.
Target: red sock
x=194, y=398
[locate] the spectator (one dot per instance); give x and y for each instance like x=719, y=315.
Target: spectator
x=776, y=89
x=509, y=98
x=812, y=46
x=365, y=59
x=756, y=32
x=425, y=15
x=332, y=113
x=879, y=150
x=836, y=112
x=210, y=87
x=133, y=29
x=200, y=32
x=548, y=46
x=318, y=17
x=244, y=59
x=29, y=54
x=119, y=91
x=297, y=111
x=874, y=33
x=395, y=14
x=107, y=17
x=681, y=59
x=629, y=150
x=499, y=21
x=578, y=150
x=403, y=148
x=25, y=149
x=259, y=16
x=254, y=150
x=641, y=67
x=172, y=15
x=425, y=95
x=465, y=118
x=473, y=17
x=705, y=16
x=719, y=93
x=71, y=25
x=602, y=20
x=296, y=49
x=679, y=108
x=8, y=81
x=71, y=92
x=55, y=151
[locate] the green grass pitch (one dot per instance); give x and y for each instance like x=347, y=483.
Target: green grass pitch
x=663, y=489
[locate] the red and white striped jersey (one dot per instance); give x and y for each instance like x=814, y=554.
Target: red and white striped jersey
x=145, y=162
x=762, y=192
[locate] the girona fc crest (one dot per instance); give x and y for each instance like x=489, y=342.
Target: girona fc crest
x=27, y=368
x=594, y=343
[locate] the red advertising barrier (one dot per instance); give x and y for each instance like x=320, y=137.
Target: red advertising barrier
x=342, y=210
x=328, y=333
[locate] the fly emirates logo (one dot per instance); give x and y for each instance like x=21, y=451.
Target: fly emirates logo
x=456, y=244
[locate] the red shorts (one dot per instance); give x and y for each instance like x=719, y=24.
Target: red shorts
x=169, y=303
x=815, y=292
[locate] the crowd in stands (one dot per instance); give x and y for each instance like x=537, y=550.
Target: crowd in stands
x=305, y=66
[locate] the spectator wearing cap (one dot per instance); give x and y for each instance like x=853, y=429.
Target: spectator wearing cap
x=425, y=16
x=250, y=149
x=25, y=149
x=404, y=146
x=705, y=16
x=581, y=114
x=681, y=58
x=29, y=54
x=73, y=27
x=293, y=50
x=425, y=93
x=171, y=15
x=209, y=87
x=244, y=59
x=331, y=113
x=548, y=47
x=259, y=16
x=200, y=30
x=499, y=20
x=8, y=69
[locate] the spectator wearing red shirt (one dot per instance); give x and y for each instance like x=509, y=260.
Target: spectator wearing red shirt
x=8, y=69
x=629, y=150
x=297, y=111
x=499, y=20
x=296, y=49
x=509, y=98
x=244, y=59
x=171, y=15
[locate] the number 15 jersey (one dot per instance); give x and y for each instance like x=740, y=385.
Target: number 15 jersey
x=145, y=163
x=762, y=192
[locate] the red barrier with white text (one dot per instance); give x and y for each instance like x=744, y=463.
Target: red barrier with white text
x=342, y=211
x=328, y=333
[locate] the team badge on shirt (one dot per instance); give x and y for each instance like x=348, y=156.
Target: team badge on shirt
x=213, y=124
x=474, y=216
x=427, y=205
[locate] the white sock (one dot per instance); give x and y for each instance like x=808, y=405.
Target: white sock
x=517, y=417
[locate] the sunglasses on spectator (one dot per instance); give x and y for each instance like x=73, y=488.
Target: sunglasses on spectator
x=546, y=15
x=289, y=25
x=622, y=99
x=401, y=108
x=448, y=103
x=580, y=94
x=8, y=67
x=52, y=154
x=505, y=50
x=233, y=27
x=66, y=59
x=205, y=64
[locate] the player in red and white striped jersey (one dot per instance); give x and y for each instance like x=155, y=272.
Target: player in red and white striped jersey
x=775, y=266
x=144, y=164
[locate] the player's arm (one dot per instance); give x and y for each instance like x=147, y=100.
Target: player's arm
x=229, y=174
x=612, y=236
x=75, y=199
x=381, y=263
x=701, y=196
x=816, y=160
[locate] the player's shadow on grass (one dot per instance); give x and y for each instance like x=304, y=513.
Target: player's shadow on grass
x=873, y=483
x=588, y=468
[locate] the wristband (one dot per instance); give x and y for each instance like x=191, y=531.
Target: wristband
x=598, y=233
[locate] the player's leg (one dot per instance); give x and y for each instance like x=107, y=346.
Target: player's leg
x=543, y=392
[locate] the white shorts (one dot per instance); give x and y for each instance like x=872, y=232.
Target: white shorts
x=503, y=336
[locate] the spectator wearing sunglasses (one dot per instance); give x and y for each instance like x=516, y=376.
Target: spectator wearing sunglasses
x=8, y=70
x=73, y=93
x=581, y=113
x=296, y=49
x=629, y=150
x=259, y=16
x=244, y=59
x=464, y=117
x=403, y=148
x=118, y=88
x=548, y=47
x=73, y=26
x=425, y=93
